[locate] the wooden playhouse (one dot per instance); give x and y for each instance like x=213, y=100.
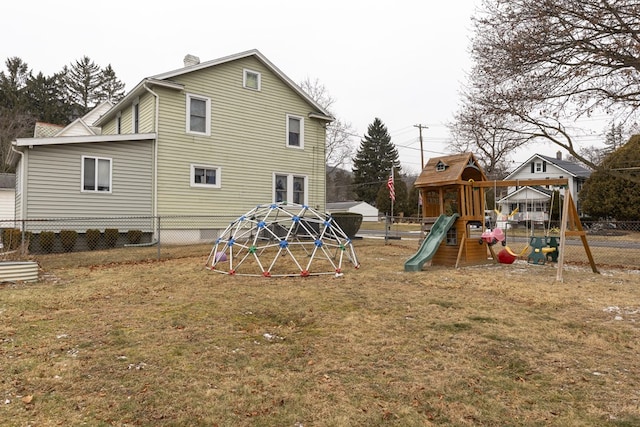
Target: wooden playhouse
x=453, y=205
x=446, y=187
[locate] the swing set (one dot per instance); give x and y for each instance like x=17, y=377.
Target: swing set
x=546, y=247
x=453, y=192
x=540, y=249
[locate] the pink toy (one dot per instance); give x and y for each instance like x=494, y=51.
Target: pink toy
x=491, y=237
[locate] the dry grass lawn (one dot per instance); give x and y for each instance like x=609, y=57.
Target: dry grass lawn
x=104, y=340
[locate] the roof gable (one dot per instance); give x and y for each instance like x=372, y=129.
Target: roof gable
x=449, y=169
x=571, y=168
x=164, y=79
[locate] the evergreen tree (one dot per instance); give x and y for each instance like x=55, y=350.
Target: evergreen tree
x=45, y=99
x=607, y=194
x=83, y=80
x=111, y=88
x=12, y=83
x=613, y=138
x=373, y=162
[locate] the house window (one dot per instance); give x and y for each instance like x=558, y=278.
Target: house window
x=96, y=174
x=119, y=123
x=135, y=117
x=290, y=188
x=538, y=166
x=295, y=134
x=205, y=176
x=252, y=80
x=198, y=115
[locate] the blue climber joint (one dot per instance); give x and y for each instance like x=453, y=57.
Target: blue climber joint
x=327, y=224
x=242, y=218
x=305, y=206
x=231, y=241
x=318, y=243
x=218, y=240
x=274, y=206
x=295, y=218
x=262, y=224
x=348, y=241
x=283, y=244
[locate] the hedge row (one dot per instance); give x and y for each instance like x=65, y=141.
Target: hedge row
x=12, y=238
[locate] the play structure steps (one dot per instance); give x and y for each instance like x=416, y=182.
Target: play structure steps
x=431, y=243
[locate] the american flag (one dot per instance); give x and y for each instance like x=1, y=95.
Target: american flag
x=390, y=186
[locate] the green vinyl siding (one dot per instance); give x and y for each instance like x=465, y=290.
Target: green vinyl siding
x=54, y=182
x=247, y=141
x=146, y=122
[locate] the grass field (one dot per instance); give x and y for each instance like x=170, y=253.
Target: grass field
x=111, y=338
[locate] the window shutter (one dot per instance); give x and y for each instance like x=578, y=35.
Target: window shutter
x=533, y=167
x=544, y=166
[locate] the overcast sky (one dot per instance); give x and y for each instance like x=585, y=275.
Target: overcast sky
x=402, y=61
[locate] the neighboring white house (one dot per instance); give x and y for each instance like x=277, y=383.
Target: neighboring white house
x=369, y=213
x=7, y=199
x=534, y=203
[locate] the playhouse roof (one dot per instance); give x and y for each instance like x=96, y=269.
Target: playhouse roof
x=449, y=170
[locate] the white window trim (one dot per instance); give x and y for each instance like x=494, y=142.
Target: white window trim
x=207, y=124
x=134, y=116
x=218, y=170
x=245, y=71
x=82, y=190
x=290, y=176
x=293, y=116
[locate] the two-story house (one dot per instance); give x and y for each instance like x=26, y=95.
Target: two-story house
x=534, y=203
x=212, y=138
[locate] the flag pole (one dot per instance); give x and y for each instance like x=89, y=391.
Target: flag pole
x=393, y=180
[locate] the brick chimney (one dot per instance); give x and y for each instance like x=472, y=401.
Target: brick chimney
x=559, y=155
x=191, y=60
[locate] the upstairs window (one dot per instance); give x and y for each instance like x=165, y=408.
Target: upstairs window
x=252, y=80
x=135, y=117
x=295, y=133
x=205, y=176
x=96, y=174
x=198, y=115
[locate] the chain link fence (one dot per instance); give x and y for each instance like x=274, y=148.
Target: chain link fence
x=612, y=243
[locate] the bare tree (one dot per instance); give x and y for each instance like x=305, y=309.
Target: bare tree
x=486, y=135
x=539, y=65
x=339, y=132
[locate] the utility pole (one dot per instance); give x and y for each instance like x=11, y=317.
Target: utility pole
x=420, y=127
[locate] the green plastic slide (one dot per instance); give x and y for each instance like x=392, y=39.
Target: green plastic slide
x=430, y=245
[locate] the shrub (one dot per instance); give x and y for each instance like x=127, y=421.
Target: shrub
x=68, y=239
x=111, y=237
x=134, y=236
x=93, y=238
x=47, y=240
x=11, y=238
x=349, y=222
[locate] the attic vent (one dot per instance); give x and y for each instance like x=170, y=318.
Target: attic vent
x=191, y=60
x=441, y=166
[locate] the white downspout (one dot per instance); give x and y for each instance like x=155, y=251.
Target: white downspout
x=22, y=195
x=155, y=152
